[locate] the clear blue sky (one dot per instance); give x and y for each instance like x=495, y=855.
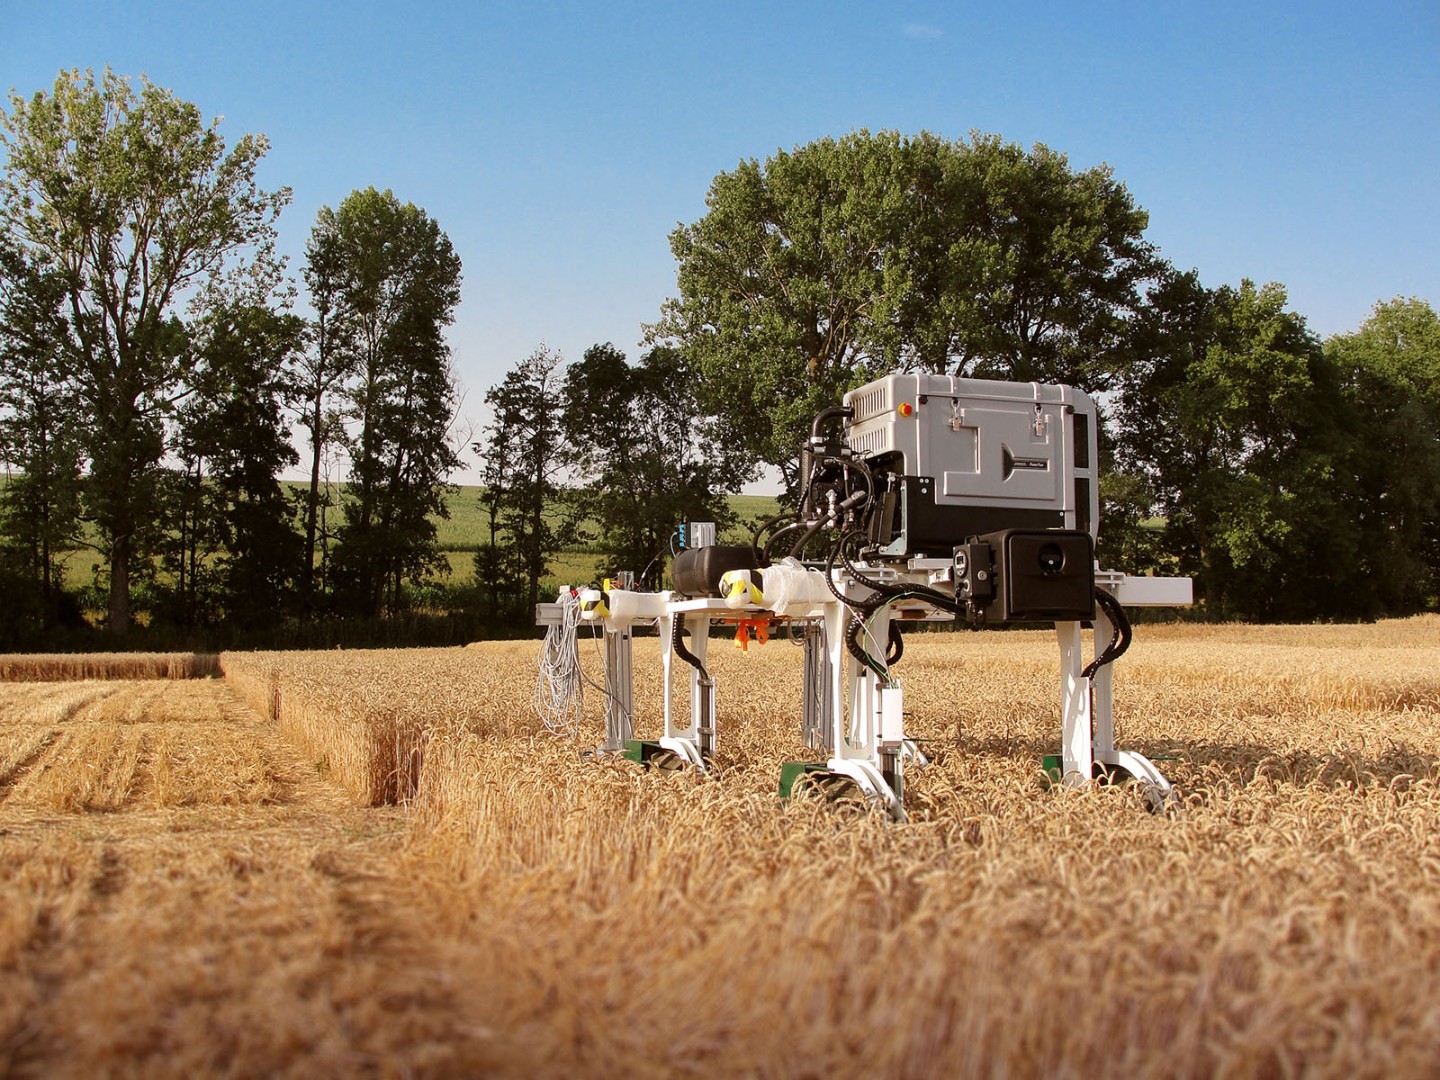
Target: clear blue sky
x=559, y=144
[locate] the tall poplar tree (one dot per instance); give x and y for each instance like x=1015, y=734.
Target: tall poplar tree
x=135, y=203
x=525, y=451
x=393, y=282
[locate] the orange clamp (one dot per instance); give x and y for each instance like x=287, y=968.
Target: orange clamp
x=758, y=628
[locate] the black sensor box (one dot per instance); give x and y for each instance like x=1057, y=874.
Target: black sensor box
x=1041, y=575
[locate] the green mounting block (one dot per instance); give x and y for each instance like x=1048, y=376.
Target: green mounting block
x=1054, y=767
x=641, y=751
x=791, y=771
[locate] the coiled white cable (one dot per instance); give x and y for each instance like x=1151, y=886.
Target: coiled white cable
x=560, y=686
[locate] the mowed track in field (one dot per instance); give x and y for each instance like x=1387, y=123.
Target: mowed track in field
x=184, y=894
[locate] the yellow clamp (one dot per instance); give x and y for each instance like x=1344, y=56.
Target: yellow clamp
x=592, y=604
x=740, y=587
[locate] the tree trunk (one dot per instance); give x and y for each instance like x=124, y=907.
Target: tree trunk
x=45, y=577
x=119, y=625
x=312, y=513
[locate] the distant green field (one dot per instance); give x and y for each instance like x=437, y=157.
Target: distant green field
x=467, y=528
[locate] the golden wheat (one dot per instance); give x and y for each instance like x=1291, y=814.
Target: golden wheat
x=699, y=927
x=365, y=715
x=547, y=913
x=34, y=667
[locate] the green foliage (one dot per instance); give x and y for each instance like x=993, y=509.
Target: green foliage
x=1131, y=539
x=646, y=453
x=234, y=440
x=843, y=259
x=132, y=201
x=1237, y=420
x=40, y=508
x=390, y=281
x=1390, y=369
x=525, y=453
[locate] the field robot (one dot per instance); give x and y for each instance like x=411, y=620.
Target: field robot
x=923, y=498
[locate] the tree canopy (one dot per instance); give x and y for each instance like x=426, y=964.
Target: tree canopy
x=829, y=264
x=133, y=203
x=1390, y=369
x=1235, y=414
x=646, y=453
x=392, y=279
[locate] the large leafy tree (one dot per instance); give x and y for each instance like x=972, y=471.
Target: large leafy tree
x=824, y=266
x=649, y=456
x=135, y=203
x=392, y=282
x=1390, y=369
x=1236, y=419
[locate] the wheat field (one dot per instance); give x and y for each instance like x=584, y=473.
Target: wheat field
x=380, y=863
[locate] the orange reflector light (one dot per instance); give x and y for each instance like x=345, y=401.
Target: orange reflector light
x=905, y=408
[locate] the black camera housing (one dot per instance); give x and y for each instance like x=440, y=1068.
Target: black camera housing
x=1032, y=576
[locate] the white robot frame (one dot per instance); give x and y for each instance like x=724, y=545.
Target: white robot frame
x=943, y=498
x=849, y=710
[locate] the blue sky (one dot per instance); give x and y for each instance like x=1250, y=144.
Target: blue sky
x=559, y=143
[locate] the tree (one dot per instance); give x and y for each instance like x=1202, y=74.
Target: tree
x=188, y=537
x=1390, y=369
x=843, y=259
x=525, y=451
x=40, y=505
x=134, y=203
x=394, y=281
x=1235, y=417
x=234, y=442
x=499, y=570
x=322, y=375
x=650, y=459
x=1131, y=538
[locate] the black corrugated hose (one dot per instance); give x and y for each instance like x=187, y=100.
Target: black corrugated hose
x=1121, y=639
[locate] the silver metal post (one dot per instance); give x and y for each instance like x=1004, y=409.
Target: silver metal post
x=816, y=726
x=619, y=691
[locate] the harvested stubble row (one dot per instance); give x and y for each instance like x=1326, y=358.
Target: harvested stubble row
x=365, y=717
x=118, y=745
x=183, y=896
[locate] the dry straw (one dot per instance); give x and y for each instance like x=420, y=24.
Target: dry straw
x=549, y=914
x=37, y=667
x=1281, y=922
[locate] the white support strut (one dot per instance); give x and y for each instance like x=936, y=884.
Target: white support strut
x=862, y=707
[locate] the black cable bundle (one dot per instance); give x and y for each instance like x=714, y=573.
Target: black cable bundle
x=1121, y=639
x=684, y=653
